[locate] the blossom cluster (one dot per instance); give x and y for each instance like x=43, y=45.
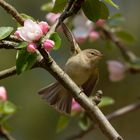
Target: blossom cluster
x=83, y=28
x=32, y=32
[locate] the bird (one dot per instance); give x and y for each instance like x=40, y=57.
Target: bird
x=82, y=69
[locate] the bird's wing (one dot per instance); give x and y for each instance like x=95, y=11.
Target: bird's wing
x=90, y=85
x=74, y=46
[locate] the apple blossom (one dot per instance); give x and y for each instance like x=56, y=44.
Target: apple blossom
x=51, y=17
x=30, y=32
x=82, y=28
x=94, y=36
x=44, y=26
x=116, y=70
x=48, y=44
x=31, y=47
x=3, y=94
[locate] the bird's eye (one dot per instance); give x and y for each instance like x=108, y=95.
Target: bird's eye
x=92, y=53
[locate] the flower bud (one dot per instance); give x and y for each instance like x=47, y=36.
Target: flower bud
x=44, y=26
x=51, y=17
x=48, y=44
x=75, y=106
x=17, y=34
x=3, y=94
x=100, y=22
x=31, y=47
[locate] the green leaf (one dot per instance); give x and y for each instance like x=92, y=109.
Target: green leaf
x=47, y=6
x=135, y=64
x=106, y=101
x=25, y=16
x=95, y=9
x=125, y=36
x=22, y=45
x=84, y=122
x=112, y=3
x=115, y=20
x=5, y=32
x=62, y=123
x=24, y=60
x=9, y=107
x=59, y=6
x=55, y=37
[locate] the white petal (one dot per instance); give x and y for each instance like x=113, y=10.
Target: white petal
x=81, y=32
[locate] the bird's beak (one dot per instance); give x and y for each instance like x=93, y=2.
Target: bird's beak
x=100, y=55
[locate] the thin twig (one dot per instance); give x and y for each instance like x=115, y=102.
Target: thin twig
x=118, y=113
x=12, y=11
x=5, y=134
x=123, y=110
x=128, y=55
x=6, y=44
x=8, y=72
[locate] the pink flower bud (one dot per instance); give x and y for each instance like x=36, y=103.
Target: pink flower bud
x=93, y=36
x=116, y=70
x=48, y=44
x=44, y=26
x=31, y=47
x=75, y=106
x=3, y=94
x=51, y=17
x=100, y=22
x=17, y=33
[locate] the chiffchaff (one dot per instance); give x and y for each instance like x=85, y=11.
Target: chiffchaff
x=82, y=70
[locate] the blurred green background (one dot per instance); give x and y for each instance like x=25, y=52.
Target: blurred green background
x=35, y=120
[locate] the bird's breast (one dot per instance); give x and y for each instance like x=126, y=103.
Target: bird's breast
x=78, y=71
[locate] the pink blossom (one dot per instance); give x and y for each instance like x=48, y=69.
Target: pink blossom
x=94, y=36
x=51, y=17
x=100, y=22
x=116, y=70
x=31, y=47
x=44, y=26
x=48, y=44
x=3, y=93
x=81, y=34
x=82, y=28
x=75, y=106
x=30, y=32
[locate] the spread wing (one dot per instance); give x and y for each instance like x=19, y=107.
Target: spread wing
x=90, y=85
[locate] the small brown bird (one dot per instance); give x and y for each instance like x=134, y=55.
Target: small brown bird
x=82, y=69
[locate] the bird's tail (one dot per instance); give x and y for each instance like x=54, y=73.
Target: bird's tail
x=55, y=96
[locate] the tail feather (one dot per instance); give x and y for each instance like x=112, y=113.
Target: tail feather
x=55, y=96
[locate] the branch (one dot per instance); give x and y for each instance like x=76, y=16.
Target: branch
x=5, y=44
x=118, y=113
x=124, y=110
x=12, y=11
x=4, y=134
x=128, y=55
x=8, y=72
